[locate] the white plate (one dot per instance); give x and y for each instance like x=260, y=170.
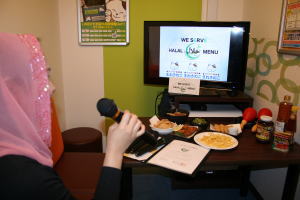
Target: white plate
x=199, y=136
x=163, y=131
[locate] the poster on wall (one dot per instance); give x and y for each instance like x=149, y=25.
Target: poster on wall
x=103, y=22
x=289, y=34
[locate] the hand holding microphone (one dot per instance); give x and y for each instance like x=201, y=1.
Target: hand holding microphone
x=108, y=108
x=121, y=135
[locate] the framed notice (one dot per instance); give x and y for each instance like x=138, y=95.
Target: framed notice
x=184, y=86
x=289, y=34
x=103, y=22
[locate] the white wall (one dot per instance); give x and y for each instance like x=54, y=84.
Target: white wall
x=222, y=10
x=41, y=19
x=265, y=15
x=82, y=68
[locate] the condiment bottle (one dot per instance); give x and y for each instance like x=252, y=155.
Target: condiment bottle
x=265, y=129
x=284, y=140
x=284, y=112
x=291, y=125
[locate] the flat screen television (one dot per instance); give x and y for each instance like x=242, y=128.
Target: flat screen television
x=214, y=52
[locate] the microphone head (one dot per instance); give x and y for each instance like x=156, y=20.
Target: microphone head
x=107, y=107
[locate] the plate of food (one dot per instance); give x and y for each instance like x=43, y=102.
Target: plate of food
x=186, y=131
x=216, y=140
x=231, y=129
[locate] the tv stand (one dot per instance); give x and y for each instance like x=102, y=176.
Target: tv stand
x=209, y=92
x=240, y=100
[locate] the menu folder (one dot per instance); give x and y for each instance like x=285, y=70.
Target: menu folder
x=149, y=148
x=178, y=155
x=181, y=156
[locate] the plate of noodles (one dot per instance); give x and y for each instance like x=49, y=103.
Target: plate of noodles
x=216, y=141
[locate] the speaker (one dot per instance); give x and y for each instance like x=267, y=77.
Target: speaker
x=233, y=90
x=165, y=104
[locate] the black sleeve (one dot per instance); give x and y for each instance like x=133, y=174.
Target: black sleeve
x=108, y=187
x=109, y=184
x=24, y=178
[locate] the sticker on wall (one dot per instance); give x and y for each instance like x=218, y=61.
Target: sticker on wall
x=263, y=67
x=103, y=22
x=289, y=34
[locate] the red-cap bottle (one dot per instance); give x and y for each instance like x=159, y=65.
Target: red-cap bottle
x=284, y=112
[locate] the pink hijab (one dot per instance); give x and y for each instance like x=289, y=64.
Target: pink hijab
x=24, y=99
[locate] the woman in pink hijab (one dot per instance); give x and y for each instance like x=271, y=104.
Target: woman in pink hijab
x=25, y=159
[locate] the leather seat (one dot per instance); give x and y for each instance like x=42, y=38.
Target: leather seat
x=80, y=172
x=82, y=139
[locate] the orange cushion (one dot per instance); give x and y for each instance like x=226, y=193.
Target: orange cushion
x=57, y=145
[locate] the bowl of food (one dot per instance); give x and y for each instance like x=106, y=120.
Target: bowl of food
x=178, y=116
x=202, y=123
x=163, y=126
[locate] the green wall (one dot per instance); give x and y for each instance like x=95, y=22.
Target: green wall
x=123, y=65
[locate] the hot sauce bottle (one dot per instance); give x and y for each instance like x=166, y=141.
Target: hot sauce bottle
x=284, y=141
x=285, y=127
x=284, y=112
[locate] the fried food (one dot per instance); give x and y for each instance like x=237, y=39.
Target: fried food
x=164, y=124
x=177, y=114
x=221, y=128
x=187, y=130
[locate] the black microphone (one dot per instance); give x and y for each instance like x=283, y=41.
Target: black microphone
x=108, y=108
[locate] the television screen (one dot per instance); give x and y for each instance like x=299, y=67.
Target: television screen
x=214, y=52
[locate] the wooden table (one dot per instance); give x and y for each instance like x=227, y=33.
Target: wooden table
x=249, y=155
